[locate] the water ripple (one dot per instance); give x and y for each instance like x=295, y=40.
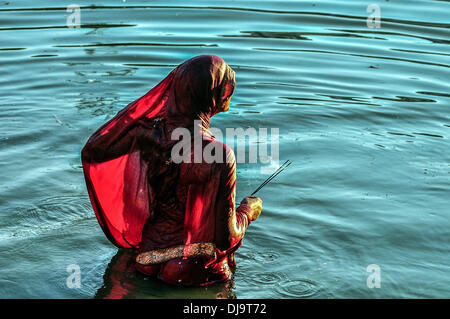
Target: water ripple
x=298, y=288
x=49, y=216
x=268, y=278
x=93, y=26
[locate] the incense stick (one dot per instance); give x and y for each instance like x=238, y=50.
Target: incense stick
x=278, y=171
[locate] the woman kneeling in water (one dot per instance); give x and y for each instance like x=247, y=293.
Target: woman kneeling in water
x=179, y=216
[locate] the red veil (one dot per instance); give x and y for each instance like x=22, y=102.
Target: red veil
x=118, y=168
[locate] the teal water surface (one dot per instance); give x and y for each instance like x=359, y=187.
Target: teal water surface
x=363, y=114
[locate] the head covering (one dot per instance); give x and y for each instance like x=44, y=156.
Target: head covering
x=118, y=184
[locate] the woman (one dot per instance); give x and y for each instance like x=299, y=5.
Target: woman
x=145, y=200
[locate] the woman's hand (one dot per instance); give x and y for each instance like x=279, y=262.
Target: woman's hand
x=255, y=203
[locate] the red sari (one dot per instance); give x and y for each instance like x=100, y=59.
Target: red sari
x=144, y=200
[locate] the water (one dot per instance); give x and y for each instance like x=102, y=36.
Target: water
x=363, y=115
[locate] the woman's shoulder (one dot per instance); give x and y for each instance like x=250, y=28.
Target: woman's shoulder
x=216, y=151
x=210, y=160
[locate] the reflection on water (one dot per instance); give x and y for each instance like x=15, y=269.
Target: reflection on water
x=121, y=280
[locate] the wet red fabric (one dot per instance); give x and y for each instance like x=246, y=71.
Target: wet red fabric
x=145, y=200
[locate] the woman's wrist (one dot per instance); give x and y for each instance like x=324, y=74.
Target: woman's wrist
x=247, y=210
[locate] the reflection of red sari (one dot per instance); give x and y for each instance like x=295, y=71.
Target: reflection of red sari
x=143, y=200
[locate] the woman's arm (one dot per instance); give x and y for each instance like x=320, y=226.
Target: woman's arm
x=231, y=222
